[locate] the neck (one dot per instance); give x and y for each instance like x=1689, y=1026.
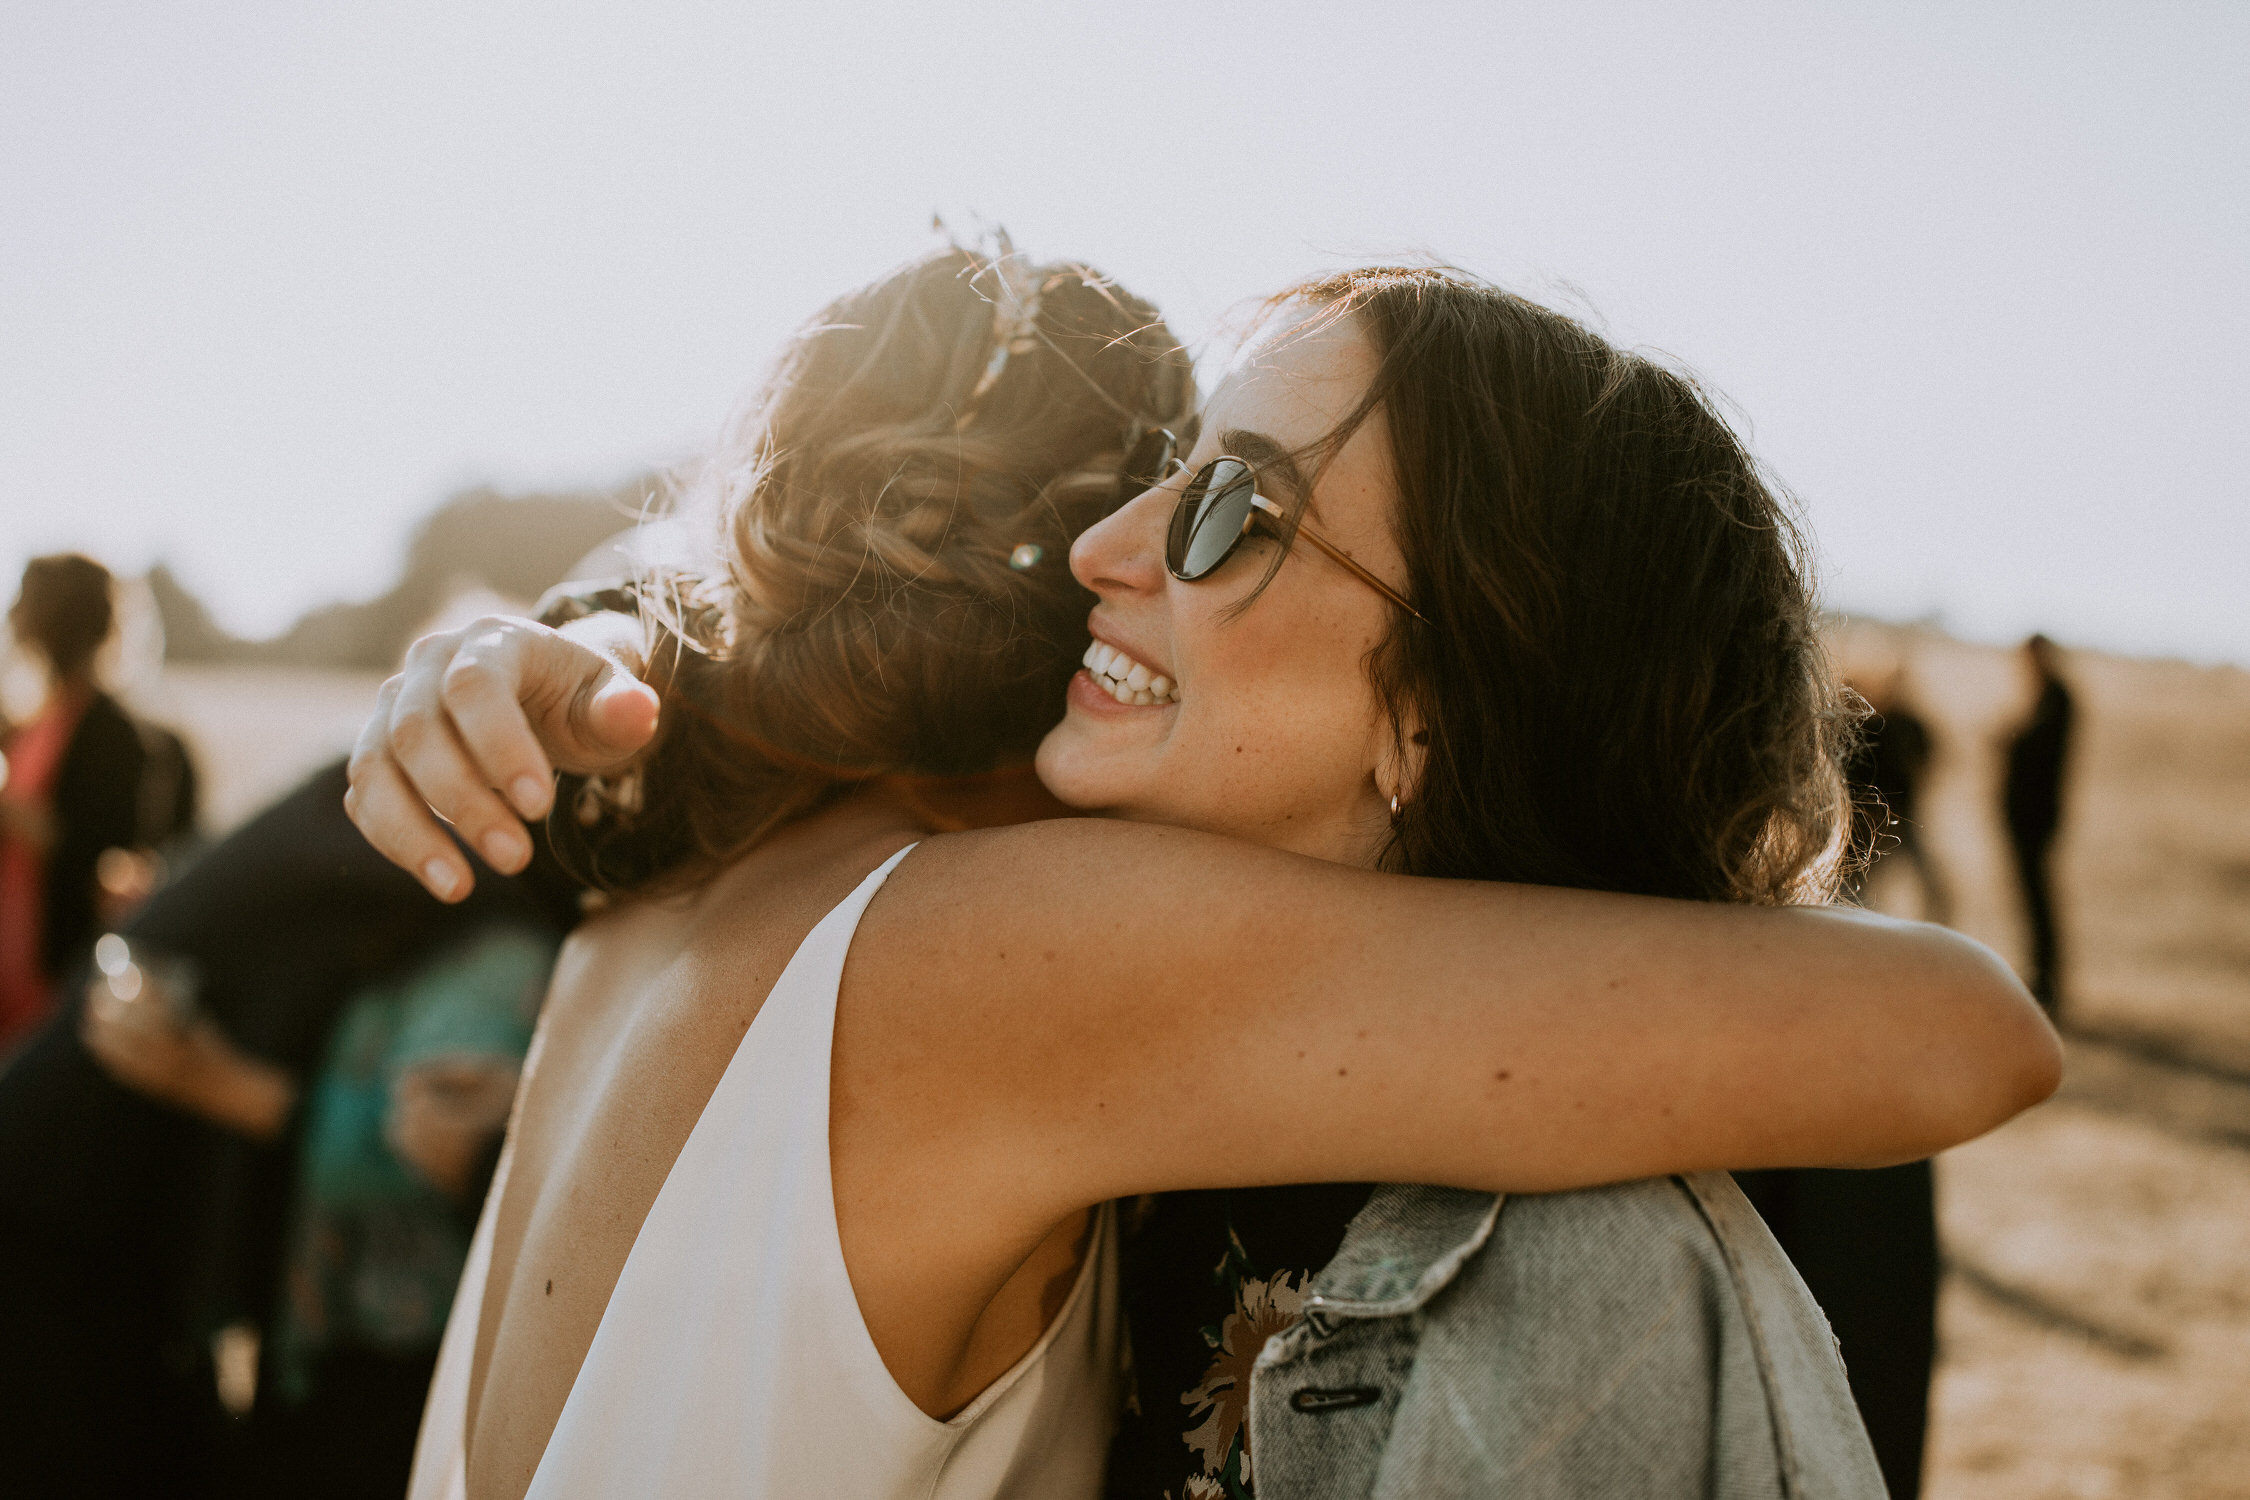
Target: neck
x=1356, y=835
x=992, y=799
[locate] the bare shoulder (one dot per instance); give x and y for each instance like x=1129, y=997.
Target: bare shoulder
x=1062, y=869
x=1132, y=914
x=1049, y=956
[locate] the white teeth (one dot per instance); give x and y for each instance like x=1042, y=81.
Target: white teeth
x=1125, y=679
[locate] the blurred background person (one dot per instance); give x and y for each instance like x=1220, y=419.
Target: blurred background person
x=1886, y=771
x=2038, y=761
x=255, y=1122
x=400, y=1131
x=71, y=790
x=1866, y=1242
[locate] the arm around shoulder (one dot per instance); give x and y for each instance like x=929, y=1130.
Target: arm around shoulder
x=1099, y=1009
x=2003, y=1055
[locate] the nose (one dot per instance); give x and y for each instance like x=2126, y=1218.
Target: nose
x=1124, y=552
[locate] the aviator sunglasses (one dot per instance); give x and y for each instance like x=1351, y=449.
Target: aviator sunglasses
x=1217, y=510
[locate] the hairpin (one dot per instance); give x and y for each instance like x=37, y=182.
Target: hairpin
x=1015, y=319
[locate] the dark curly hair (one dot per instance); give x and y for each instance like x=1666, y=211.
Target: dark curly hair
x=890, y=595
x=1620, y=686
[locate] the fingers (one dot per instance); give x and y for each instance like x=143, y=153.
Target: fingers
x=102, y=1012
x=482, y=691
x=437, y=764
x=126, y=1050
x=400, y=825
x=97, y=1028
x=618, y=717
x=589, y=711
x=393, y=817
x=469, y=733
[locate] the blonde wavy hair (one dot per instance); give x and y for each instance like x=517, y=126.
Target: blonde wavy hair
x=889, y=593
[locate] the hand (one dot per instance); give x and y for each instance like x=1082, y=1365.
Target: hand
x=496, y=706
x=142, y=1044
x=123, y=880
x=445, y=1114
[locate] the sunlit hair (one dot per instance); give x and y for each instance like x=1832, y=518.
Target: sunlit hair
x=1620, y=684
x=890, y=592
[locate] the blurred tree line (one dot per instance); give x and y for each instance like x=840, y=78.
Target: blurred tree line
x=517, y=546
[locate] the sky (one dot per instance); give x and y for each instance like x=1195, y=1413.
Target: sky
x=277, y=278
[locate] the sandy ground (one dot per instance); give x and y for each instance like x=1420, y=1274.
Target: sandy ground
x=2096, y=1321
x=2095, y=1326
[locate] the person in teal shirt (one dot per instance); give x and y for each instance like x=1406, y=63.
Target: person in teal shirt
x=402, y=1128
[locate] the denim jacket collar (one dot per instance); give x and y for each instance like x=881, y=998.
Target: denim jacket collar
x=1401, y=1250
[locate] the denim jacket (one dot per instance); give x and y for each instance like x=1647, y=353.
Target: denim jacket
x=1647, y=1341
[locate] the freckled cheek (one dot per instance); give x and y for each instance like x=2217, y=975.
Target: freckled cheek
x=1306, y=668
x=1282, y=725
x=1286, y=678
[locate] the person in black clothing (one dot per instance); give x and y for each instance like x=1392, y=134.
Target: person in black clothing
x=1865, y=1242
x=73, y=789
x=131, y=1229
x=1885, y=771
x=2031, y=803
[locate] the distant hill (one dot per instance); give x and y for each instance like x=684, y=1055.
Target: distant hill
x=518, y=546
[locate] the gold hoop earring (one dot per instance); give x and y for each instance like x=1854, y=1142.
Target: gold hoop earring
x=1394, y=807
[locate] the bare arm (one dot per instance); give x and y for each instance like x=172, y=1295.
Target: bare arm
x=1260, y=1017
x=144, y=1046
x=1099, y=1009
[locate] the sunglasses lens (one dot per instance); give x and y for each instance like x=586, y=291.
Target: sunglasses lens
x=1209, y=518
x=1145, y=463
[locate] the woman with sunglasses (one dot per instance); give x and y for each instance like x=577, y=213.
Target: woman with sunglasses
x=1550, y=639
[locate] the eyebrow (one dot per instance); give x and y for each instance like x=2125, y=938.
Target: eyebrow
x=1268, y=456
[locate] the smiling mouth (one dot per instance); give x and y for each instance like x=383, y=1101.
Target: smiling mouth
x=1127, y=680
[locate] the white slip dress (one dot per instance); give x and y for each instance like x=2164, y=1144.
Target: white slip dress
x=732, y=1359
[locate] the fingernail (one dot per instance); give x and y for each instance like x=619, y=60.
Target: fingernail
x=502, y=848
x=443, y=877
x=531, y=795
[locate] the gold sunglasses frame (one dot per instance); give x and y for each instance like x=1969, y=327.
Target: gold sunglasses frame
x=1261, y=504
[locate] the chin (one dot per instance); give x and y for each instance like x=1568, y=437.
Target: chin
x=1055, y=764
x=1073, y=768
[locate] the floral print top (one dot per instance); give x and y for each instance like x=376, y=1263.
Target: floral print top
x=1207, y=1278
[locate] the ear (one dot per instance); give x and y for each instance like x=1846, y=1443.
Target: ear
x=1401, y=761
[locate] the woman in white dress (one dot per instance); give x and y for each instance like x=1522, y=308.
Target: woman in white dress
x=781, y=1222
